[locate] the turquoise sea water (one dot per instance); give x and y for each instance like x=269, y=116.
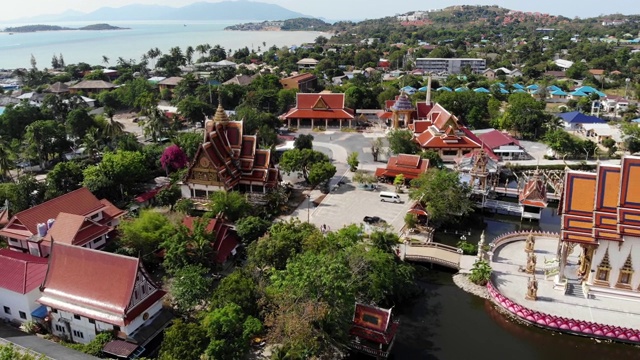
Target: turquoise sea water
x=1, y=109
x=90, y=46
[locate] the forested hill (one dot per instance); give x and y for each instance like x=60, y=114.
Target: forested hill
x=297, y=24
x=34, y=28
x=484, y=21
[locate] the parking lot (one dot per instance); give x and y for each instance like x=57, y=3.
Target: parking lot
x=349, y=204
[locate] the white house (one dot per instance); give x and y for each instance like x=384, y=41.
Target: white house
x=563, y=64
x=20, y=278
x=88, y=291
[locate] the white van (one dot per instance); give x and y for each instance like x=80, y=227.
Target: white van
x=389, y=197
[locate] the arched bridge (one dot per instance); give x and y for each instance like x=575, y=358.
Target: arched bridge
x=434, y=253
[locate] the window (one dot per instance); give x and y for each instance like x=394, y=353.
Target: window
x=78, y=334
x=55, y=311
x=200, y=194
x=77, y=317
x=449, y=152
x=22, y=315
x=604, y=269
x=59, y=328
x=7, y=310
x=144, y=289
x=371, y=319
x=91, y=321
x=626, y=273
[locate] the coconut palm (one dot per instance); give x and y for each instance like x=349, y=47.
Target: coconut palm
x=7, y=159
x=92, y=143
x=105, y=60
x=112, y=128
x=189, y=54
x=203, y=49
x=155, y=125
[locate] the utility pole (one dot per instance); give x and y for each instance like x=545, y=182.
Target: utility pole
x=308, y=208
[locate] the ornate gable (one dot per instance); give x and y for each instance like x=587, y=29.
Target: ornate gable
x=320, y=104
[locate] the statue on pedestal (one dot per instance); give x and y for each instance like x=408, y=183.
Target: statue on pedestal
x=532, y=289
x=481, y=246
x=531, y=263
x=530, y=243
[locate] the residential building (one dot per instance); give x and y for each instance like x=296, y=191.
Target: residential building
x=169, y=83
x=450, y=66
x=91, y=87
x=57, y=88
x=563, y=64
x=410, y=166
x=242, y=80
x=324, y=109
x=600, y=215
x=76, y=218
x=574, y=119
x=442, y=132
x=87, y=292
x=303, y=82
x=20, y=278
x=229, y=160
x=502, y=144
x=307, y=64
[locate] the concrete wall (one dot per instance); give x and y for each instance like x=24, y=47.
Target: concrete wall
x=618, y=253
x=18, y=302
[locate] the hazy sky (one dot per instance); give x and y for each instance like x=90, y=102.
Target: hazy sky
x=339, y=9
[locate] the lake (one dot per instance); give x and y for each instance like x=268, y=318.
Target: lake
x=90, y=46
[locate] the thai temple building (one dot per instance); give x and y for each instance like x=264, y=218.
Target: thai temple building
x=533, y=197
x=323, y=109
x=601, y=215
x=479, y=170
x=229, y=160
x=373, y=331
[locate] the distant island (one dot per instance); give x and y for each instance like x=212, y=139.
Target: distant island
x=297, y=24
x=34, y=28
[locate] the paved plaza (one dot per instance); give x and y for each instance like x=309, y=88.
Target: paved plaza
x=512, y=283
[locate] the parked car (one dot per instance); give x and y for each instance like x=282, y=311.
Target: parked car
x=373, y=220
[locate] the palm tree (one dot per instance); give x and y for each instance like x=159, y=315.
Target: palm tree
x=203, y=49
x=189, y=54
x=7, y=157
x=91, y=143
x=105, y=60
x=112, y=128
x=155, y=124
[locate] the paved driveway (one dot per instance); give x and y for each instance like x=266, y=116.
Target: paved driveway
x=348, y=204
x=49, y=348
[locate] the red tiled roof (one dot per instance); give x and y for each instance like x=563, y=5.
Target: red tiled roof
x=120, y=348
x=225, y=240
x=423, y=109
x=318, y=114
x=75, y=230
x=411, y=166
x=78, y=202
x=81, y=279
x=21, y=272
x=301, y=77
x=308, y=100
x=495, y=138
x=534, y=192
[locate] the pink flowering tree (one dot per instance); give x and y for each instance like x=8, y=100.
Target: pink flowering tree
x=173, y=158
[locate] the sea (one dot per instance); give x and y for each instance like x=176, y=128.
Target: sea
x=90, y=46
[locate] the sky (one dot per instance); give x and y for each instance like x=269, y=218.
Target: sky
x=339, y=9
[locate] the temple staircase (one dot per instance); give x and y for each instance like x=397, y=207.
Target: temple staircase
x=574, y=288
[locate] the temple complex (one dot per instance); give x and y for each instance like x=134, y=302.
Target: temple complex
x=229, y=160
x=410, y=166
x=601, y=215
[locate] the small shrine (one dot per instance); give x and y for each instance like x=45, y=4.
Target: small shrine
x=402, y=110
x=533, y=197
x=373, y=331
x=479, y=169
x=532, y=289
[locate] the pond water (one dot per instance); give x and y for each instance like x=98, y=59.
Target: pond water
x=447, y=323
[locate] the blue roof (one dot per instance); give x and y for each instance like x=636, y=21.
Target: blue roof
x=444, y=88
x=500, y=84
x=503, y=91
x=533, y=87
x=636, y=120
x=40, y=313
x=518, y=86
x=519, y=91
x=409, y=90
x=553, y=88
x=481, y=90
x=559, y=93
x=462, y=88
x=576, y=117
x=578, y=93
x=586, y=89
x=601, y=94
x=424, y=89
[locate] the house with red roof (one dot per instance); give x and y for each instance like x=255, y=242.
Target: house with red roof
x=229, y=160
x=443, y=133
x=323, y=109
x=87, y=292
x=77, y=218
x=501, y=144
x=373, y=331
x=225, y=240
x=20, y=278
x=410, y=166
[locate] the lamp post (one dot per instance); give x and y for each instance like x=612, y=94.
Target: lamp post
x=308, y=208
x=626, y=87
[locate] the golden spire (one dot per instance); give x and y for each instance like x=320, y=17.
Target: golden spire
x=221, y=115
